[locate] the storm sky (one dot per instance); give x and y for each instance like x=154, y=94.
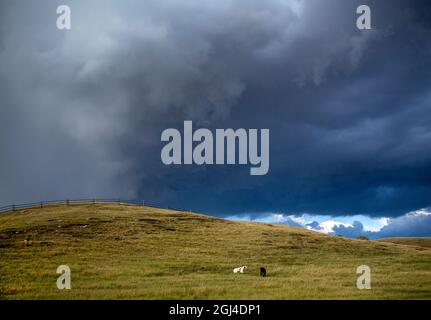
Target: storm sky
x=349, y=111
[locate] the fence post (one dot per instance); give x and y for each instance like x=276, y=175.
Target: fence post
x=13, y=207
x=41, y=204
x=94, y=201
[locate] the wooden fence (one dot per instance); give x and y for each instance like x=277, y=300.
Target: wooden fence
x=42, y=204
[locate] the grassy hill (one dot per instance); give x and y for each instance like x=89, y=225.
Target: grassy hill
x=417, y=242
x=123, y=252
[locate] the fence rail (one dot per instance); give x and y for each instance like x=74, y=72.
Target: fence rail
x=41, y=204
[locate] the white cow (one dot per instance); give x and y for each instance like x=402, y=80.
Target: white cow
x=240, y=269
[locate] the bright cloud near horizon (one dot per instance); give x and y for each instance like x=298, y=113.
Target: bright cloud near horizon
x=353, y=226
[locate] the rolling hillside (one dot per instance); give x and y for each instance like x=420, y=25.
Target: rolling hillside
x=417, y=242
x=124, y=252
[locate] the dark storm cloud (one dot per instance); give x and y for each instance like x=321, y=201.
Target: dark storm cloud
x=349, y=111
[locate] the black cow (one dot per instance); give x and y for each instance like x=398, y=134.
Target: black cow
x=262, y=272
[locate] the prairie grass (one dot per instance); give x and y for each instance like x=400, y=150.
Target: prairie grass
x=418, y=242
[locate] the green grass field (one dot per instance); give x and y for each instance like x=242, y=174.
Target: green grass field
x=124, y=252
